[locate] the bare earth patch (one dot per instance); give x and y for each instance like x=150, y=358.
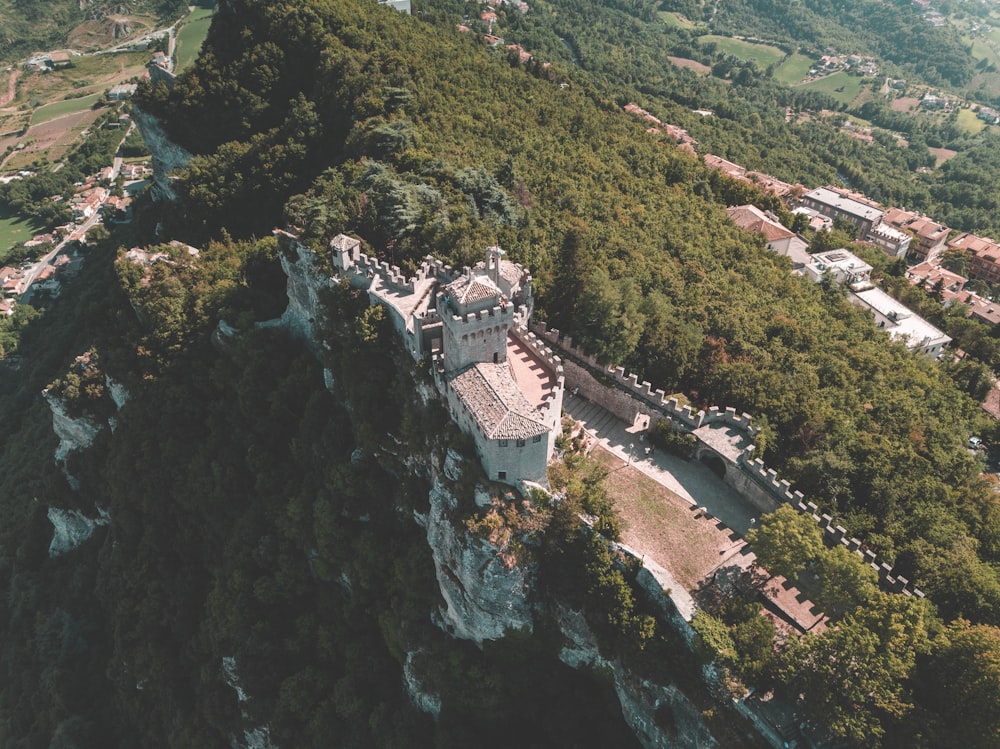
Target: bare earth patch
x=697, y=67
x=904, y=104
x=942, y=155
x=666, y=527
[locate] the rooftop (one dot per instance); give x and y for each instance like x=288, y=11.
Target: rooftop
x=496, y=402
x=751, y=218
x=905, y=323
x=850, y=206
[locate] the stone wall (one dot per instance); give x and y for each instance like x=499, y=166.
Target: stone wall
x=626, y=397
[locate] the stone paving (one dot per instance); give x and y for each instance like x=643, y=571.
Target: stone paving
x=708, y=494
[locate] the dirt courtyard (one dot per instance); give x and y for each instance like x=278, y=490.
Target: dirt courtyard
x=667, y=527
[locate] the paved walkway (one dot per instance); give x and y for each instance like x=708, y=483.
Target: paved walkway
x=696, y=483
x=688, y=479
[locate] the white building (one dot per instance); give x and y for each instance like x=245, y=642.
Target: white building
x=901, y=323
x=841, y=265
x=503, y=386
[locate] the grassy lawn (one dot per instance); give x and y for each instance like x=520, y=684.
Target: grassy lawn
x=14, y=229
x=661, y=525
x=841, y=86
x=967, y=120
x=793, y=69
x=191, y=36
x=762, y=54
x=676, y=20
x=60, y=108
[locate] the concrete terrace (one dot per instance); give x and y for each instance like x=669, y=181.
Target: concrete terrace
x=532, y=375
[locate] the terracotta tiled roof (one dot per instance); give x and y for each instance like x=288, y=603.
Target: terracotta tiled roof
x=496, y=402
x=469, y=290
x=510, y=272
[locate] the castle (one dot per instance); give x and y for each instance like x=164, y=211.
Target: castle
x=503, y=386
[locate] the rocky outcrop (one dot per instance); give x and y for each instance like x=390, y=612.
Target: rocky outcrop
x=426, y=701
x=483, y=597
x=71, y=528
x=167, y=155
x=258, y=737
x=661, y=716
x=303, y=286
x=74, y=433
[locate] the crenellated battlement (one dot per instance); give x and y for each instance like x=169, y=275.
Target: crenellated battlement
x=834, y=535
x=763, y=487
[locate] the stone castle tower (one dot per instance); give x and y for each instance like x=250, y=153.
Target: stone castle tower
x=479, y=308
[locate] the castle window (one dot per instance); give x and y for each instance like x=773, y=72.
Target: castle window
x=501, y=475
x=537, y=438
x=503, y=443
x=520, y=443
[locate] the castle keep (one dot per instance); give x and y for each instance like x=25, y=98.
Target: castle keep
x=503, y=386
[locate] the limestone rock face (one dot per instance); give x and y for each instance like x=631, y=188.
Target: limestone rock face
x=119, y=393
x=303, y=288
x=660, y=716
x=74, y=433
x=167, y=155
x=71, y=528
x=429, y=703
x=483, y=598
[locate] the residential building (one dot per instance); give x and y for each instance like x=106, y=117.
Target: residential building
x=844, y=205
x=932, y=277
x=930, y=236
x=900, y=322
x=893, y=242
x=984, y=256
x=776, y=236
x=841, y=265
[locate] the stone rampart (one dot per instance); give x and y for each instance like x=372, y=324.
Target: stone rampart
x=625, y=397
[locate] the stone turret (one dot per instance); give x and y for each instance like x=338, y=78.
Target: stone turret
x=476, y=316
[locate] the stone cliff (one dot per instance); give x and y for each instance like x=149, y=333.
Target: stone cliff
x=167, y=155
x=483, y=595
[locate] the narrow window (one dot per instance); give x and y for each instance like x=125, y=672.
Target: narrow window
x=520, y=443
x=501, y=475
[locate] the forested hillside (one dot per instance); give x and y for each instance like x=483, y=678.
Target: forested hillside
x=628, y=241
x=249, y=518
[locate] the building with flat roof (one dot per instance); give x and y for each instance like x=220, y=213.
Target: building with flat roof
x=843, y=266
x=839, y=204
x=900, y=322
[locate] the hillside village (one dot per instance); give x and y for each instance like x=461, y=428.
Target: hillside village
x=899, y=233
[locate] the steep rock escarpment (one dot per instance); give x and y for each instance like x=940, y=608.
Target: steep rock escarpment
x=167, y=155
x=483, y=596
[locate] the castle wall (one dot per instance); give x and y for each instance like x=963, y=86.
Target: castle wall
x=625, y=397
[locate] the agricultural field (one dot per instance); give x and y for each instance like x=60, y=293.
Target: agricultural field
x=841, y=86
x=793, y=69
x=191, y=35
x=50, y=139
x=14, y=229
x=762, y=54
x=62, y=108
x=694, y=65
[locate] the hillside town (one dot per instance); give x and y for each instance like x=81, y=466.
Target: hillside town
x=901, y=234
x=95, y=201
